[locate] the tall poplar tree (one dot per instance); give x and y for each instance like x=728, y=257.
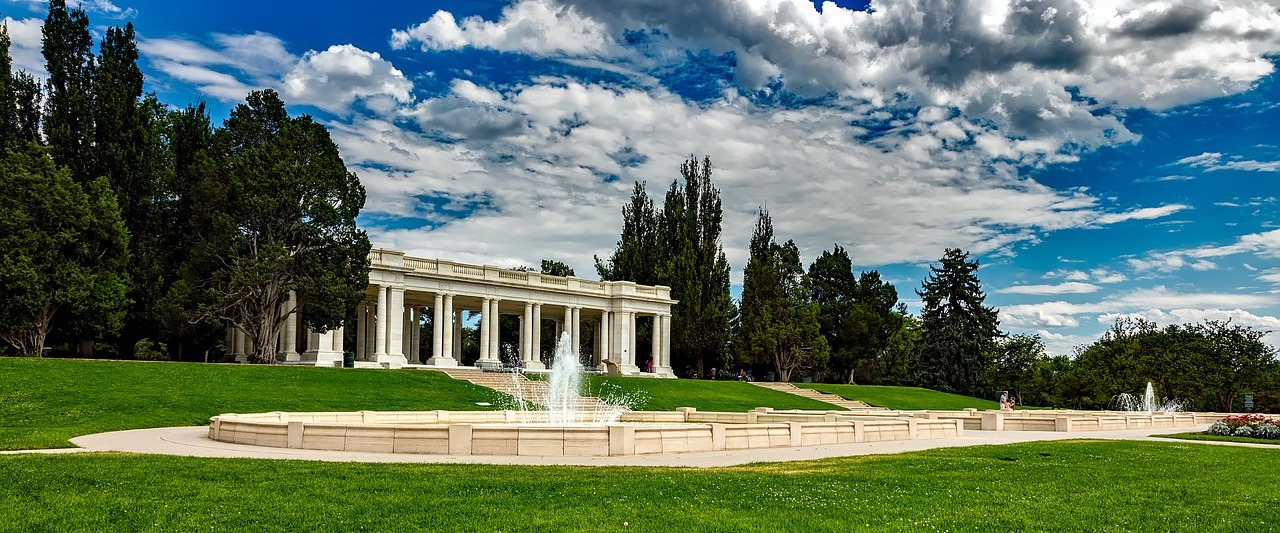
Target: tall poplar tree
x=28, y=107
x=8, y=101
x=68, y=123
x=959, y=331
x=695, y=267
x=637, y=257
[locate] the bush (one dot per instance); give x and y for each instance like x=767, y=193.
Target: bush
x=1267, y=431
x=1220, y=429
x=149, y=350
x=1243, y=431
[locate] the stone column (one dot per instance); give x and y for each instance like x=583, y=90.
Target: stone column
x=655, y=343
x=537, y=363
x=361, y=334
x=495, y=342
x=406, y=340
x=526, y=334
x=437, y=328
x=575, y=331
x=289, y=344
x=485, y=318
x=595, y=345
x=380, y=338
x=370, y=331
x=415, y=345
x=457, y=330
x=395, y=324
x=605, y=352
x=448, y=328
x=324, y=349
x=230, y=342
x=666, y=345
x=631, y=342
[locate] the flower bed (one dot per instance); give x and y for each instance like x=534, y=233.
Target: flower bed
x=1253, y=425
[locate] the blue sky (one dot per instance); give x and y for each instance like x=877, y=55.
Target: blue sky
x=1101, y=159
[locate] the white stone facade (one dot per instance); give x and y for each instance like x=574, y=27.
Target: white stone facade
x=401, y=288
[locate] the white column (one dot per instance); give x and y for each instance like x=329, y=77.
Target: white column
x=595, y=345
x=361, y=325
x=407, y=337
x=289, y=344
x=631, y=341
x=448, y=328
x=575, y=331
x=526, y=334
x=568, y=319
x=485, y=316
x=415, y=346
x=536, y=354
x=666, y=345
x=655, y=343
x=230, y=342
x=380, y=338
x=495, y=342
x=324, y=349
x=605, y=352
x=437, y=328
x=457, y=330
x=395, y=326
x=370, y=330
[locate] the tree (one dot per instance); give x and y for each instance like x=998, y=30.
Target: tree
x=68, y=125
x=28, y=108
x=63, y=250
x=637, y=257
x=8, y=102
x=1016, y=365
x=833, y=288
x=278, y=209
x=1237, y=359
x=695, y=267
x=959, y=331
x=552, y=267
x=779, y=321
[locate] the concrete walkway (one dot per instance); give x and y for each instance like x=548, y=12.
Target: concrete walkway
x=194, y=442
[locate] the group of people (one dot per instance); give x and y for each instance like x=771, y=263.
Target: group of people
x=1007, y=401
x=744, y=374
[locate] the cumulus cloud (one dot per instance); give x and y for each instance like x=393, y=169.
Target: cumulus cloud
x=532, y=26
x=1060, y=314
x=336, y=77
x=24, y=45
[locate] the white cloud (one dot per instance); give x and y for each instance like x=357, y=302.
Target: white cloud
x=24, y=46
x=1271, y=275
x=1241, y=317
x=1070, y=287
x=1057, y=314
x=1264, y=245
x=533, y=26
x=336, y=77
x=1212, y=162
x=103, y=7
x=238, y=64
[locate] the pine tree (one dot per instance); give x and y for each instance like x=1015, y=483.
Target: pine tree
x=778, y=323
x=959, y=331
x=9, y=139
x=68, y=122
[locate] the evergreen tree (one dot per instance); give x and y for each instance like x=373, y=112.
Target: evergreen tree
x=9, y=139
x=68, y=124
x=63, y=251
x=834, y=290
x=695, y=267
x=28, y=107
x=778, y=324
x=277, y=213
x=637, y=256
x=959, y=331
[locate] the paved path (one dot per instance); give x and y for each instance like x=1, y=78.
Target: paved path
x=194, y=442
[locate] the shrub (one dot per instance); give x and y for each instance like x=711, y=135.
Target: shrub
x=149, y=350
x=1243, y=431
x=1220, y=429
x=1267, y=431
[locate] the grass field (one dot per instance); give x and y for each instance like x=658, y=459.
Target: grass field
x=902, y=397
x=1046, y=486
x=44, y=402
x=1220, y=438
x=668, y=394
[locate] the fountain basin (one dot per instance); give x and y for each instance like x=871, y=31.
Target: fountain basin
x=502, y=433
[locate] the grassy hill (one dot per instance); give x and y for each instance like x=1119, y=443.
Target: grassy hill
x=667, y=394
x=44, y=402
x=902, y=397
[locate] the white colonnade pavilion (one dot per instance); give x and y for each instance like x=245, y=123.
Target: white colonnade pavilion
x=401, y=288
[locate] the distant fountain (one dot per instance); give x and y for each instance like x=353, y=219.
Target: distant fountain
x=1147, y=403
x=563, y=402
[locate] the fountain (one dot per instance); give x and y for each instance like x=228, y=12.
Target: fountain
x=1147, y=403
x=563, y=401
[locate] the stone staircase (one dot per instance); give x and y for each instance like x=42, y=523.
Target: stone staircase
x=815, y=395
x=519, y=386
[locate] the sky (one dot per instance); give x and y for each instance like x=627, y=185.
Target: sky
x=1100, y=158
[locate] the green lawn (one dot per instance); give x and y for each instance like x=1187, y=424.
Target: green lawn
x=667, y=394
x=902, y=397
x=1044, y=486
x=1220, y=438
x=44, y=402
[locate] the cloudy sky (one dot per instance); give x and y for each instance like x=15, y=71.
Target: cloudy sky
x=1101, y=158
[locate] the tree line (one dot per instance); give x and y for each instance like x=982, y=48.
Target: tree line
x=830, y=323
x=135, y=225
